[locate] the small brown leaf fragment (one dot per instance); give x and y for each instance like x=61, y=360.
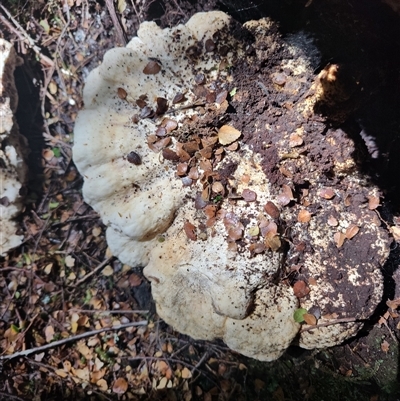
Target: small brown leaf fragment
x=373, y=202
x=233, y=146
x=134, y=280
x=268, y=227
x=393, y=304
x=206, y=152
x=161, y=131
x=286, y=195
x=190, y=231
x=312, y=281
x=209, y=141
x=210, y=97
x=135, y=118
x=310, y=319
x=134, y=158
x=279, y=78
x=152, y=68
x=49, y=333
x=193, y=173
x=347, y=200
x=200, y=79
x=295, y=140
x=156, y=145
x=205, y=194
x=217, y=187
x=205, y=165
x=385, y=346
x=178, y=98
x=272, y=241
x=120, y=386
x=249, y=195
x=327, y=193
x=395, y=230
x=304, y=216
x=141, y=103
x=210, y=211
x=162, y=105
x=235, y=233
x=257, y=248
x=199, y=202
x=301, y=289
x=169, y=154
x=181, y=153
x=209, y=45
x=221, y=97
x=169, y=124
x=228, y=134
x=146, y=112
x=122, y=93
x=272, y=210
x=191, y=147
x=332, y=221
x=351, y=231
x=339, y=238
x=181, y=169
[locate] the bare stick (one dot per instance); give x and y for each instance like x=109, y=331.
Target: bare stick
x=110, y=312
x=73, y=338
x=330, y=323
x=99, y=267
x=23, y=35
x=120, y=32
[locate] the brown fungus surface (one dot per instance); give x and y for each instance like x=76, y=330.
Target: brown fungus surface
x=246, y=155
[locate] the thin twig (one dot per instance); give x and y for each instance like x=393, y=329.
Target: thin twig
x=110, y=312
x=99, y=267
x=330, y=323
x=71, y=339
x=8, y=396
x=23, y=36
x=120, y=32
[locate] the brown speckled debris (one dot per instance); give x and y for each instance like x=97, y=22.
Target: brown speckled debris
x=202, y=151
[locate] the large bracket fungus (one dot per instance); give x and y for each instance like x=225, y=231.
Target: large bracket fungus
x=13, y=170
x=201, y=151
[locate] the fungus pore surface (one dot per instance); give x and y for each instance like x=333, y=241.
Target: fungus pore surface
x=201, y=150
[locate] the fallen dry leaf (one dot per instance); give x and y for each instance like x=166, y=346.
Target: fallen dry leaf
x=396, y=232
x=286, y=195
x=300, y=289
x=351, y=231
x=304, y=216
x=49, y=333
x=385, y=346
x=228, y=134
x=107, y=271
x=186, y=373
x=339, y=239
x=373, y=202
x=327, y=193
x=120, y=386
x=152, y=68
x=310, y=319
x=295, y=140
x=122, y=93
x=272, y=210
x=190, y=231
x=249, y=195
x=393, y=304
